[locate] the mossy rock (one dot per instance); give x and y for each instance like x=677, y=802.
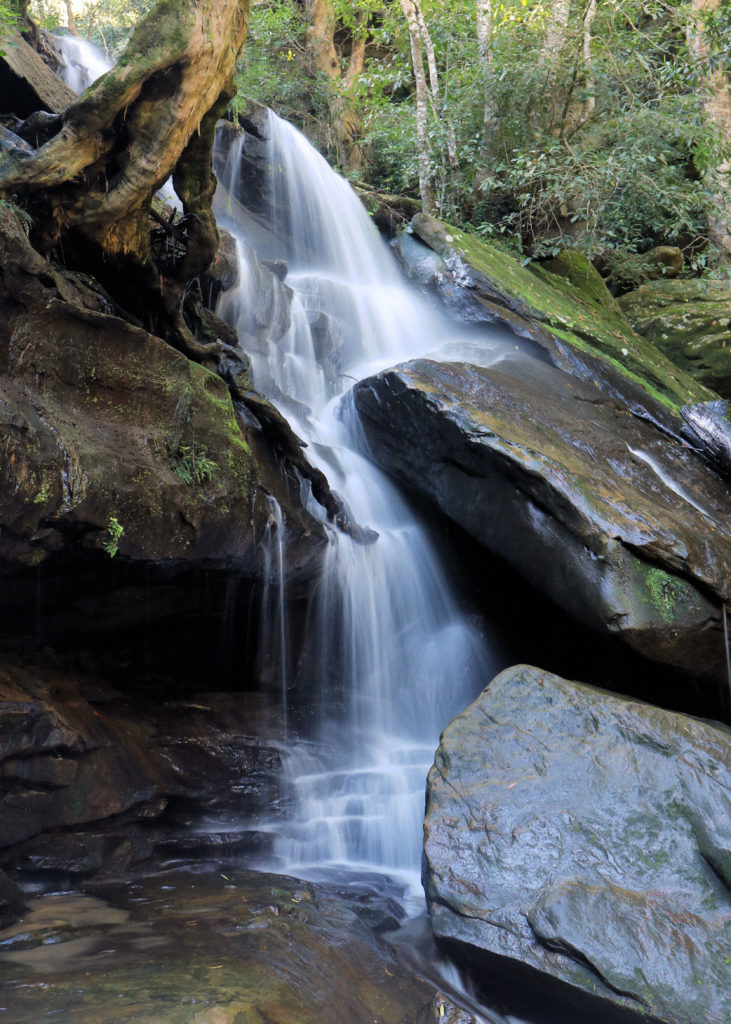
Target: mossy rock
x=569, y=315
x=574, y=266
x=690, y=321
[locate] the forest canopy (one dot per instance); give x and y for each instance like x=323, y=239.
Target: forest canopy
x=540, y=123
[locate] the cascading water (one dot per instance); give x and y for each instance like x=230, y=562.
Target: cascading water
x=390, y=658
x=82, y=62
x=273, y=638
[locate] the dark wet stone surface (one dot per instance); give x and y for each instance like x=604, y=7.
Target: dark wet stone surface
x=622, y=527
x=587, y=837
x=213, y=946
x=95, y=781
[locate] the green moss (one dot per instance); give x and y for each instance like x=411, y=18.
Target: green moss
x=584, y=315
x=573, y=265
x=43, y=494
x=665, y=591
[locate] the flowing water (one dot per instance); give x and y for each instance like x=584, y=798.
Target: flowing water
x=82, y=62
x=390, y=657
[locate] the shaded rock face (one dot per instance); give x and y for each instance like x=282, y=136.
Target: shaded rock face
x=115, y=447
x=565, y=309
x=621, y=528
x=586, y=836
x=27, y=83
x=690, y=321
x=93, y=781
x=220, y=946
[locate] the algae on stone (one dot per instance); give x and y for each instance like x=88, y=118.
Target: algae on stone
x=572, y=312
x=690, y=321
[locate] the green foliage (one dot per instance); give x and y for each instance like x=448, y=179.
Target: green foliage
x=112, y=536
x=106, y=23
x=192, y=464
x=534, y=169
x=8, y=20
x=625, y=186
x=274, y=69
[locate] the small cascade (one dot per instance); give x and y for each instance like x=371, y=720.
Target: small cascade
x=273, y=645
x=82, y=62
x=389, y=657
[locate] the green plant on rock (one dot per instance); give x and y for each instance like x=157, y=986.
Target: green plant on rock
x=665, y=591
x=25, y=219
x=113, y=535
x=192, y=465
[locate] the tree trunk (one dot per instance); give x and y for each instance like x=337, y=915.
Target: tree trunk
x=718, y=111
x=70, y=19
x=90, y=187
x=576, y=114
x=553, y=101
x=437, y=105
x=484, y=49
x=426, y=188
x=345, y=122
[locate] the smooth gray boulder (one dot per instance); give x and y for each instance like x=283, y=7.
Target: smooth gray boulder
x=622, y=527
x=587, y=836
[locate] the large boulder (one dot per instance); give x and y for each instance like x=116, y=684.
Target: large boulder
x=564, y=308
x=27, y=82
x=119, y=452
x=586, y=836
x=690, y=321
x=621, y=527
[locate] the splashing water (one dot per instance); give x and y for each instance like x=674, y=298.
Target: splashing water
x=82, y=62
x=390, y=658
x=273, y=640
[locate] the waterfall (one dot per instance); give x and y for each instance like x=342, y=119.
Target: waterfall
x=389, y=659
x=273, y=619
x=81, y=62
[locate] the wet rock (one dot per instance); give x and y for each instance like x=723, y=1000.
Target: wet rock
x=570, y=315
x=12, y=900
x=586, y=836
x=622, y=528
x=115, y=448
x=75, y=853
x=224, y=271
x=266, y=310
x=206, y=948
x=328, y=336
x=443, y=1011
x=690, y=321
x=712, y=422
x=77, y=778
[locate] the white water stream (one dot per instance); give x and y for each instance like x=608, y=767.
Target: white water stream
x=82, y=62
x=390, y=658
